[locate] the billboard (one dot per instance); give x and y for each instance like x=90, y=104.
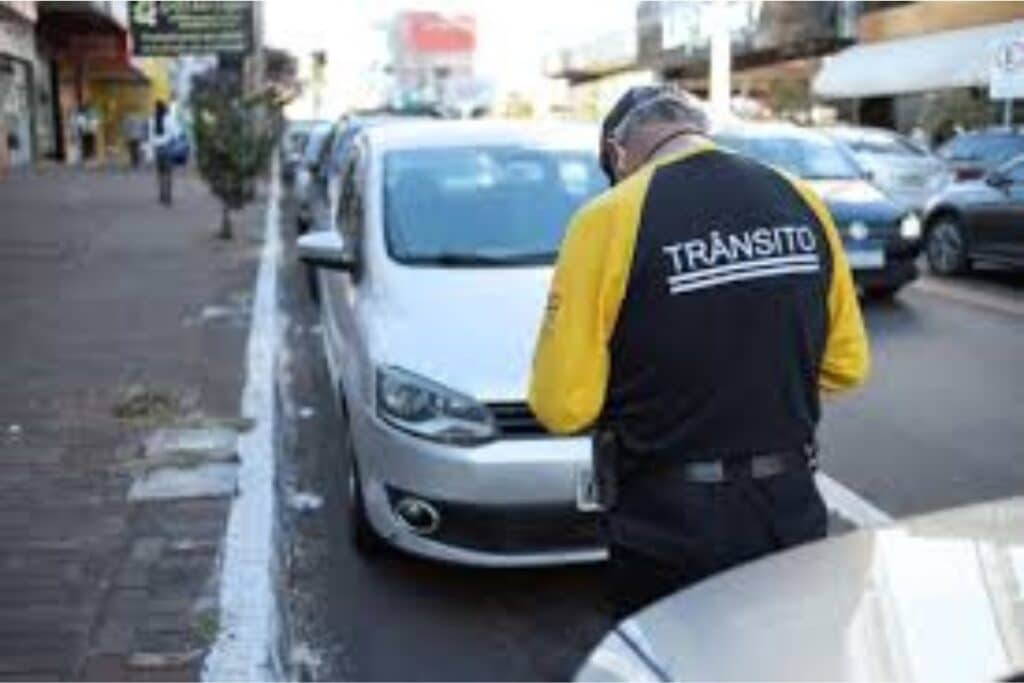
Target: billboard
x=432, y=33
x=190, y=28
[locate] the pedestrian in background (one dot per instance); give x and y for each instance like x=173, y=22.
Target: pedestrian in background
x=698, y=309
x=163, y=133
x=135, y=130
x=87, y=125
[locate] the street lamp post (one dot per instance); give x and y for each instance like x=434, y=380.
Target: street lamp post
x=721, y=59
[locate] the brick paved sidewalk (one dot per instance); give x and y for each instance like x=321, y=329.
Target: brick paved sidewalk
x=117, y=317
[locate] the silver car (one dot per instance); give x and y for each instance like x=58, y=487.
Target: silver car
x=904, y=170
x=932, y=598
x=433, y=285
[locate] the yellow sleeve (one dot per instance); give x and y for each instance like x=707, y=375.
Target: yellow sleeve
x=571, y=360
x=847, y=360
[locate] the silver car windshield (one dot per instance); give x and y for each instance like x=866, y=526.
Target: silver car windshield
x=474, y=206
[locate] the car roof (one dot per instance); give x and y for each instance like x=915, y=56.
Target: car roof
x=849, y=129
x=414, y=134
x=774, y=129
x=991, y=131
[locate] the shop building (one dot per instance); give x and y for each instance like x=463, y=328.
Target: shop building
x=922, y=64
x=432, y=61
x=776, y=50
x=26, y=132
x=98, y=84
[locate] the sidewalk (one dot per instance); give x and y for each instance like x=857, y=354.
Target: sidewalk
x=119, y=318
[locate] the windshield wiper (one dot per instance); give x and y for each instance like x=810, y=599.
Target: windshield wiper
x=484, y=259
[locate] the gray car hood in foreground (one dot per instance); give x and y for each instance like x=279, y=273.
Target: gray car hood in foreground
x=939, y=597
x=471, y=329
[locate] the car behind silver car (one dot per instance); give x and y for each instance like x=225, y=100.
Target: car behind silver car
x=433, y=285
x=904, y=170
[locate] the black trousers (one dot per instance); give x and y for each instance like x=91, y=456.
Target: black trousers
x=667, y=533
x=164, y=178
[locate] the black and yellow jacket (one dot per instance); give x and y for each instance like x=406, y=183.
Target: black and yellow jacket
x=699, y=307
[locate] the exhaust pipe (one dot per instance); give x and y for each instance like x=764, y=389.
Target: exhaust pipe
x=418, y=515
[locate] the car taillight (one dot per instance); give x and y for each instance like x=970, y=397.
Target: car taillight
x=968, y=174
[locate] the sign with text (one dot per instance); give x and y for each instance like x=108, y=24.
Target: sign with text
x=1006, y=80
x=190, y=28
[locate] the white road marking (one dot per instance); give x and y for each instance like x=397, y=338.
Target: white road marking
x=971, y=296
x=248, y=613
x=849, y=505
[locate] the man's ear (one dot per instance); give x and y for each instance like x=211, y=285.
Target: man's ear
x=617, y=158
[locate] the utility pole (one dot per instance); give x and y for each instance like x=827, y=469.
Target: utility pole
x=720, y=78
x=318, y=77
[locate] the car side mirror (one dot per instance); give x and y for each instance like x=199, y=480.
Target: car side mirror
x=326, y=249
x=998, y=180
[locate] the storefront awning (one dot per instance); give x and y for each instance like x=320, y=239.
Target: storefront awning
x=951, y=59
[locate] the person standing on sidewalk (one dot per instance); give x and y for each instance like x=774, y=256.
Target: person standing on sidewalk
x=164, y=131
x=135, y=129
x=698, y=307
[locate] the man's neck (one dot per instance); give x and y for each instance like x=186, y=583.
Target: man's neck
x=677, y=144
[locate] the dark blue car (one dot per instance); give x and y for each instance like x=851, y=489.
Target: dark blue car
x=881, y=237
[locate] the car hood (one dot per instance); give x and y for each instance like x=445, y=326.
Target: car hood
x=471, y=329
x=969, y=191
x=851, y=200
x=892, y=164
x=935, y=597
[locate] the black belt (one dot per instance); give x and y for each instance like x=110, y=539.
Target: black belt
x=754, y=467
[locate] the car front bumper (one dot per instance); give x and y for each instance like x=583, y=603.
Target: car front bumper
x=899, y=268
x=508, y=503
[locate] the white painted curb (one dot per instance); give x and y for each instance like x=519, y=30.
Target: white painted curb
x=248, y=614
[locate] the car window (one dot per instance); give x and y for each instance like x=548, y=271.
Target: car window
x=341, y=147
x=350, y=205
x=315, y=144
x=1000, y=148
x=807, y=157
x=1014, y=171
x=488, y=204
x=962, y=147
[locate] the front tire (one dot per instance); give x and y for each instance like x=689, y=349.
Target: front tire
x=363, y=536
x=883, y=294
x=313, y=285
x=946, y=247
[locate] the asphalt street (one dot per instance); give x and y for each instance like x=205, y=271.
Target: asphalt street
x=940, y=424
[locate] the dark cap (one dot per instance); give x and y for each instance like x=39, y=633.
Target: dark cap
x=630, y=99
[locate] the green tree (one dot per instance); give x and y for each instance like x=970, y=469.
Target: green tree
x=235, y=137
x=944, y=111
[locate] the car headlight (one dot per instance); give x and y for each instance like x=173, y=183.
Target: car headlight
x=427, y=409
x=910, y=227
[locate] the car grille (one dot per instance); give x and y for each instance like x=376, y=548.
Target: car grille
x=523, y=530
x=519, y=529
x=515, y=420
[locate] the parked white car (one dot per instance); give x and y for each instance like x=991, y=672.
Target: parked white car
x=932, y=598
x=903, y=169
x=433, y=285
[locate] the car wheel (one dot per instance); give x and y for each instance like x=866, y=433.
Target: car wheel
x=882, y=293
x=313, y=285
x=363, y=536
x=946, y=247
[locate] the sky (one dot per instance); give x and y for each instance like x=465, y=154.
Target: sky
x=513, y=36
